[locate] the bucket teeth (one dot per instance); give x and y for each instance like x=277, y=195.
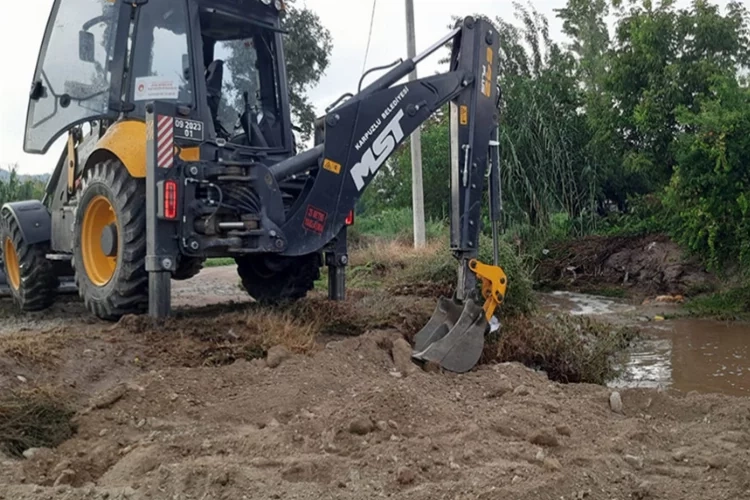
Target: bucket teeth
x=454, y=336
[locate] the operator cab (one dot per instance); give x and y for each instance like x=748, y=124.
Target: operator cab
x=222, y=60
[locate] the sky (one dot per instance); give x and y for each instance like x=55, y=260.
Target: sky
x=348, y=22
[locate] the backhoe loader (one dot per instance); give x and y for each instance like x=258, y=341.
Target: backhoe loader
x=180, y=148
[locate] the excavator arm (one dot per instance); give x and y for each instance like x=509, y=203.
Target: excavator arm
x=360, y=135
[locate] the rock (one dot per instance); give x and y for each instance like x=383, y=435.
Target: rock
x=552, y=464
x=634, y=461
x=103, y=432
x=615, y=402
x=432, y=367
x=642, y=491
x=65, y=477
x=361, y=426
x=679, y=455
x=499, y=389
x=277, y=355
x=564, y=430
x=32, y=452
x=544, y=438
x=406, y=476
x=109, y=398
x=393, y=424
x=516, y=479
x=382, y=425
x=22, y=379
x=401, y=352
x=521, y=390
x=718, y=461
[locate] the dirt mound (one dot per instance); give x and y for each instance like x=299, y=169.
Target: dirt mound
x=641, y=265
x=345, y=422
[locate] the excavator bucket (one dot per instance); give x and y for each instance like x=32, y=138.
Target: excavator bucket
x=454, y=336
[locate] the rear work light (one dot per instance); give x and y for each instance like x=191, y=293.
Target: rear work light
x=170, y=199
x=349, y=219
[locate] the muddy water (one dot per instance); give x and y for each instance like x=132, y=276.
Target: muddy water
x=685, y=354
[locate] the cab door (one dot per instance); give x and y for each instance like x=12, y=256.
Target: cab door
x=77, y=70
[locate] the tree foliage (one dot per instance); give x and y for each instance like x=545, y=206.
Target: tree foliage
x=13, y=188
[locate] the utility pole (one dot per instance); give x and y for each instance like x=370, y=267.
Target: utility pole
x=417, y=189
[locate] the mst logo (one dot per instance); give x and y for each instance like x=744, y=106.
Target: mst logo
x=375, y=156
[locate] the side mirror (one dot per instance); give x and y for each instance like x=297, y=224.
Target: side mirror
x=86, y=45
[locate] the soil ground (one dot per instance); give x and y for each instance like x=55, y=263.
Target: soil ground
x=199, y=408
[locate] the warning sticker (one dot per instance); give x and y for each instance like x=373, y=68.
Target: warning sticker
x=315, y=219
x=156, y=87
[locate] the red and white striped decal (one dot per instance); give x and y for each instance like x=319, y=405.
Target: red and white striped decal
x=165, y=142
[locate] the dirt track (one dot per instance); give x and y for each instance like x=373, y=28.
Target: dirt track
x=161, y=416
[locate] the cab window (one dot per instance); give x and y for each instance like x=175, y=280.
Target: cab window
x=72, y=79
x=161, y=70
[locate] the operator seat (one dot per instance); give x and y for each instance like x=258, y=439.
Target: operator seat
x=214, y=79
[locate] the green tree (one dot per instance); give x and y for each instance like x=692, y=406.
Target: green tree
x=15, y=189
x=661, y=60
x=709, y=194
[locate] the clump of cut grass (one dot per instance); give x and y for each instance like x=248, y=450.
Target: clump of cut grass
x=273, y=328
x=34, y=419
x=30, y=349
x=570, y=349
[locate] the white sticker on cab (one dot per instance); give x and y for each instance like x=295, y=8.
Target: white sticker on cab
x=155, y=88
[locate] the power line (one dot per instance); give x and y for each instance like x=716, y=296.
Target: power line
x=369, y=37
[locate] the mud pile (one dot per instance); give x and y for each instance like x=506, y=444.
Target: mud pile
x=356, y=419
x=642, y=265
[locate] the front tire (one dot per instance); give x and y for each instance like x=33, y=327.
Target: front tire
x=31, y=277
x=274, y=279
x=110, y=242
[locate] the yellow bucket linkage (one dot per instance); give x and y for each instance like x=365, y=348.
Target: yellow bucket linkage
x=494, y=285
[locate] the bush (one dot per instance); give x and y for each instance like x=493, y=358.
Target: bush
x=709, y=194
x=728, y=304
x=441, y=269
x=570, y=349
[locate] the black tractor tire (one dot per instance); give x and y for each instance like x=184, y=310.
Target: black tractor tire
x=276, y=280
x=187, y=268
x=126, y=291
x=36, y=283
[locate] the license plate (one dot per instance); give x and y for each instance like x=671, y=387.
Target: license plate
x=191, y=130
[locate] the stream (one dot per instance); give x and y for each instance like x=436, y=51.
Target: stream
x=686, y=354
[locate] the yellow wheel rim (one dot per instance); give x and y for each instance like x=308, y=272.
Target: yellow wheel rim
x=100, y=267
x=11, y=264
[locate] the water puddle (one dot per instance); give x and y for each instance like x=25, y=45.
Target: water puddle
x=579, y=304
x=692, y=355
x=684, y=354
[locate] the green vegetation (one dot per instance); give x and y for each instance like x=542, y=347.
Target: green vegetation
x=227, y=261
x=569, y=349
x=731, y=304
x=13, y=188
